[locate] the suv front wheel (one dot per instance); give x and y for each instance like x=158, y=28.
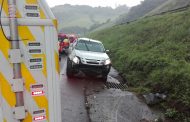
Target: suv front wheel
x=69, y=70
x=104, y=77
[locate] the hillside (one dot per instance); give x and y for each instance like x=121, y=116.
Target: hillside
x=151, y=7
x=169, y=5
x=80, y=18
x=138, y=11
x=153, y=54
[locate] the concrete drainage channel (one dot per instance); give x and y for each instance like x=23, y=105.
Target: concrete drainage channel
x=87, y=105
x=92, y=91
x=110, y=102
x=110, y=85
x=115, y=84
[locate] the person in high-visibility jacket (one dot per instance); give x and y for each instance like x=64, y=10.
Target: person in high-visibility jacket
x=63, y=43
x=66, y=42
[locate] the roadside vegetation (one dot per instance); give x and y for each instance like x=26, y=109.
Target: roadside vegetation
x=153, y=55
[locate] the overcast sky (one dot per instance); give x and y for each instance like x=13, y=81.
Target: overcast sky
x=94, y=3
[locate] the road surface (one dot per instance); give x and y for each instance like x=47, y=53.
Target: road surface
x=87, y=99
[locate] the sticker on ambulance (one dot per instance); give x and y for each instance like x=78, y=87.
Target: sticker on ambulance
x=38, y=93
x=36, y=60
x=36, y=67
x=34, y=44
x=32, y=7
x=37, y=90
x=39, y=116
x=35, y=51
x=34, y=48
x=33, y=15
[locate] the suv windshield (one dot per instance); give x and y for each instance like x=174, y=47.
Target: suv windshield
x=89, y=46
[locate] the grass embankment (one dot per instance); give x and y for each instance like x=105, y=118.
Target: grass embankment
x=153, y=54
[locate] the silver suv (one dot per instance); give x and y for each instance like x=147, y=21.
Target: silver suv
x=90, y=57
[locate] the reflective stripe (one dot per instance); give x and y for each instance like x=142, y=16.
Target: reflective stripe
x=4, y=120
x=42, y=15
x=41, y=101
x=6, y=91
x=5, y=6
x=7, y=110
x=44, y=63
x=39, y=37
x=57, y=62
x=18, y=15
x=55, y=23
x=25, y=34
x=5, y=45
x=43, y=28
x=33, y=33
x=7, y=73
x=31, y=1
x=28, y=119
x=7, y=97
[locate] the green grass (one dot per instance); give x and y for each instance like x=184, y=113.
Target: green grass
x=169, y=5
x=153, y=53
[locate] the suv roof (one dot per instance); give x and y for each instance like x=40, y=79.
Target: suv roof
x=87, y=39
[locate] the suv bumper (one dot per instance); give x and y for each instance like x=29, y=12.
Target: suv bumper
x=92, y=69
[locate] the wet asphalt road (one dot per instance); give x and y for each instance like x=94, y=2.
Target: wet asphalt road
x=87, y=99
x=73, y=95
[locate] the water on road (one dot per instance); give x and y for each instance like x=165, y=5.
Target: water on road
x=86, y=99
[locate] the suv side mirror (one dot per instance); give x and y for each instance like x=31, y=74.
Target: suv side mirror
x=107, y=51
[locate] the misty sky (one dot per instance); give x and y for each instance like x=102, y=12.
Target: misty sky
x=94, y=3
